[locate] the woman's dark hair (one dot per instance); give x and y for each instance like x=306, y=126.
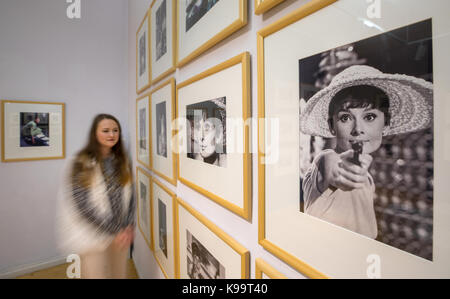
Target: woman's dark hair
x=92, y=151
x=359, y=96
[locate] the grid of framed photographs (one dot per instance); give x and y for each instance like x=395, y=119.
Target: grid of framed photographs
x=401, y=187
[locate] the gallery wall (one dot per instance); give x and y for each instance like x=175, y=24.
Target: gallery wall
x=45, y=56
x=244, y=232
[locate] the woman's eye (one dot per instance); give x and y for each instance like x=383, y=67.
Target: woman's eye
x=344, y=117
x=370, y=117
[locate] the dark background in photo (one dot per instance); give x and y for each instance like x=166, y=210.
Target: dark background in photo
x=161, y=129
x=161, y=30
x=196, y=9
x=402, y=167
x=201, y=264
x=26, y=128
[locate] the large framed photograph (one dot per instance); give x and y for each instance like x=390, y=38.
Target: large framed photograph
x=204, y=251
x=143, y=197
x=263, y=270
x=164, y=157
x=32, y=130
x=143, y=71
x=359, y=159
x=213, y=137
x=204, y=23
x=163, y=223
x=262, y=6
x=143, y=128
x=163, y=38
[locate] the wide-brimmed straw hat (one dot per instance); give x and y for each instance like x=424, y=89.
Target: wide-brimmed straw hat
x=410, y=101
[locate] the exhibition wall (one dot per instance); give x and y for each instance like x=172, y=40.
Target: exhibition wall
x=46, y=56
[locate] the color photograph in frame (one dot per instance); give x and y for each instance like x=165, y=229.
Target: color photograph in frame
x=208, y=108
x=163, y=224
x=204, y=23
x=32, y=130
x=163, y=38
x=143, y=71
x=398, y=190
x=143, y=127
x=144, y=193
x=164, y=157
x=204, y=250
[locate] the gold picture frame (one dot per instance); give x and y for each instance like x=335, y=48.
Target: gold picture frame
x=163, y=38
x=144, y=211
x=228, y=257
x=143, y=65
x=196, y=172
x=163, y=224
x=32, y=130
x=263, y=268
x=143, y=130
x=163, y=162
x=205, y=31
x=262, y=6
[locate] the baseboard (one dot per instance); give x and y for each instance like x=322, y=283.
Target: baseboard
x=30, y=268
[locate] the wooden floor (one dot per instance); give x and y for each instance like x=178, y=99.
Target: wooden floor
x=59, y=272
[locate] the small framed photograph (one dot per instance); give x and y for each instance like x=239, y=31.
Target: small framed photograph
x=213, y=135
x=143, y=127
x=204, y=251
x=265, y=271
x=163, y=38
x=359, y=159
x=204, y=23
x=32, y=130
x=143, y=197
x=143, y=71
x=164, y=157
x=163, y=219
x=262, y=6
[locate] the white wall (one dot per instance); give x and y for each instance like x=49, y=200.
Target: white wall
x=45, y=56
x=245, y=232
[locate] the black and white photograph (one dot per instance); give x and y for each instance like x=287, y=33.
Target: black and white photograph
x=34, y=129
x=142, y=128
x=161, y=30
x=162, y=227
x=161, y=129
x=366, y=137
x=196, y=9
x=206, y=131
x=144, y=208
x=201, y=263
x=142, y=54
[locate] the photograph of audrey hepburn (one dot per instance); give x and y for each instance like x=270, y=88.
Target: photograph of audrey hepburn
x=161, y=30
x=196, y=9
x=366, y=137
x=206, y=131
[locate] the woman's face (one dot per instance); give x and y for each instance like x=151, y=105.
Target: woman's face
x=205, y=136
x=358, y=125
x=107, y=133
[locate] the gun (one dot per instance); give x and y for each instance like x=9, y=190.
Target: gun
x=357, y=147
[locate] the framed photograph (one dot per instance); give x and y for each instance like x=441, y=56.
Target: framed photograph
x=204, y=251
x=32, y=130
x=143, y=197
x=143, y=71
x=359, y=159
x=143, y=130
x=213, y=136
x=265, y=271
x=262, y=6
x=163, y=223
x=204, y=23
x=164, y=157
x=163, y=38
